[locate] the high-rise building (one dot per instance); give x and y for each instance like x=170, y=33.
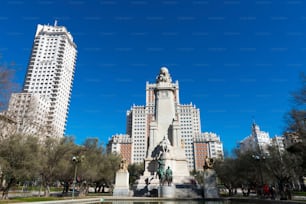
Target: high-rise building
x=258, y=140
x=121, y=144
x=279, y=143
x=209, y=145
x=50, y=74
x=140, y=119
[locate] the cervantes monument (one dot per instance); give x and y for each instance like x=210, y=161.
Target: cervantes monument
x=165, y=163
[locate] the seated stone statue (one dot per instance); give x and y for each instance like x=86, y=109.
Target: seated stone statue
x=165, y=144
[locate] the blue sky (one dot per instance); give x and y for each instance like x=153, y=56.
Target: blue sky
x=235, y=60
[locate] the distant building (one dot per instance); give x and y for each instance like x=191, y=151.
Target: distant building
x=30, y=112
x=279, y=143
x=207, y=144
x=189, y=117
x=122, y=145
x=257, y=140
x=138, y=129
x=50, y=74
x=7, y=125
x=140, y=119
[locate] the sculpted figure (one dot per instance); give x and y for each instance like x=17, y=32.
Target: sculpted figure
x=161, y=170
x=209, y=163
x=163, y=76
x=165, y=144
x=123, y=165
x=169, y=175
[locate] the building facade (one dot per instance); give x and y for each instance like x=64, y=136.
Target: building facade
x=279, y=143
x=122, y=145
x=30, y=112
x=141, y=118
x=50, y=74
x=258, y=140
x=206, y=145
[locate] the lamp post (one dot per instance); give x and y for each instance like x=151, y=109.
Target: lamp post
x=75, y=160
x=259, y=158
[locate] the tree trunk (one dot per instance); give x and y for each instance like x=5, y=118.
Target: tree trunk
x=46, y=190
x=83, y=189
x=6, y=189
x=5, y=194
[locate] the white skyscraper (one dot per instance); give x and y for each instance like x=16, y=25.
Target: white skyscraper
x=189, y=117
x=50, y=74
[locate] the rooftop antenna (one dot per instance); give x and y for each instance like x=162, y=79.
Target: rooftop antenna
x=55, y=23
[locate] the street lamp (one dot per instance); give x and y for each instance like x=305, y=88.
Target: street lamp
x=259, y=158
x=75, y=160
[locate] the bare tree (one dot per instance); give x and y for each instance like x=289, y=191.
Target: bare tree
x=297, y=116
x=7, y=86
x=297, y=122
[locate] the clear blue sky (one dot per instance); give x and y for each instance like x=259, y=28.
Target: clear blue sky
x=235, y=60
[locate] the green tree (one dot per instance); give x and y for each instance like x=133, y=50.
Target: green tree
x=135, y=170
x=55, y=155
x=109, y=168
x=96, y=168
x=90, y=164
x=242, y=170
x=18, y=160
x=226, y=171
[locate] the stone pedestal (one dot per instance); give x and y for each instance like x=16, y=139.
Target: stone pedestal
x=167, y=191
x=122, y=184
x=210, y=184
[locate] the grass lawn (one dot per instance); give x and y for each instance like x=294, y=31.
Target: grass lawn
x=29, y=199
x=299, y=193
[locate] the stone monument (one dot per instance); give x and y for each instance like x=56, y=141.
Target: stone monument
x=210, y=179
x=165, y=149
x=122, y=180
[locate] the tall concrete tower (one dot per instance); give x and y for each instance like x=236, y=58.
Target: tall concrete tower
x=165, y=142
x=50, y=73
x=165, y=111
